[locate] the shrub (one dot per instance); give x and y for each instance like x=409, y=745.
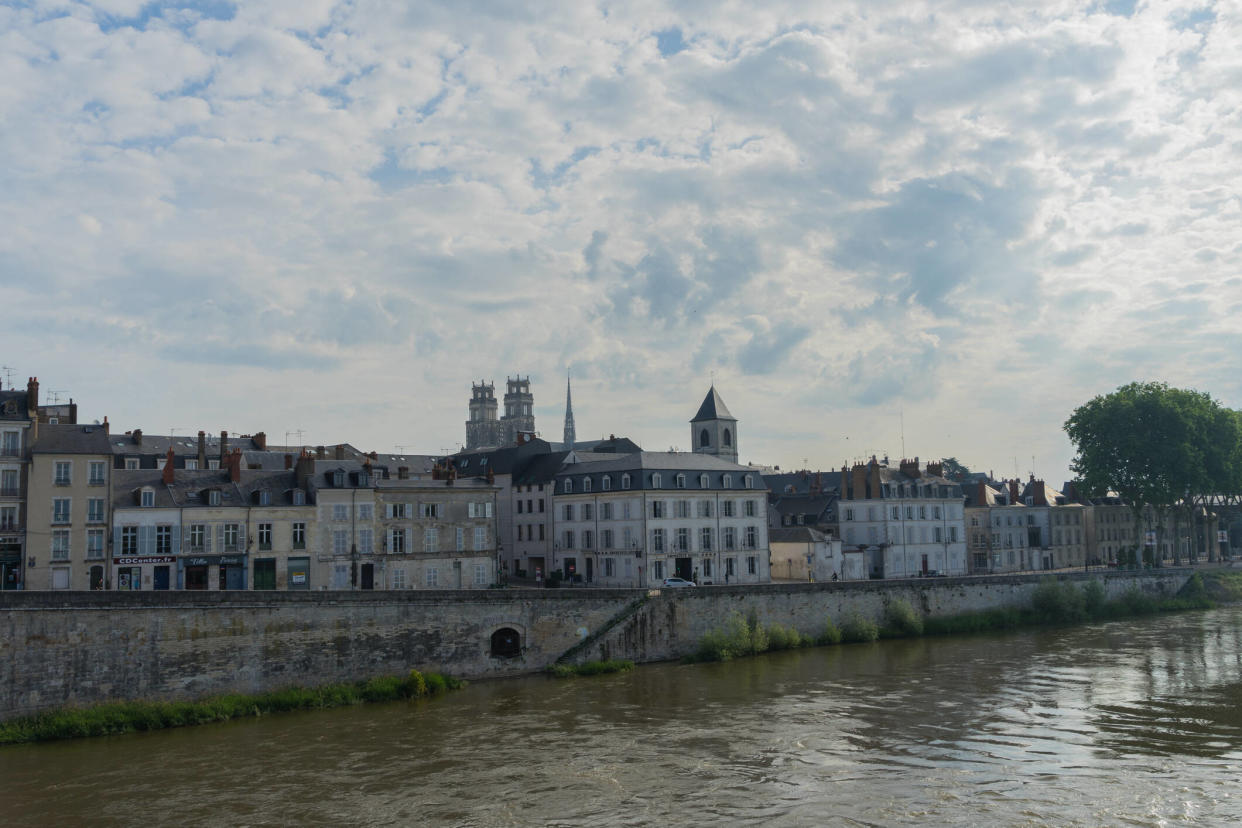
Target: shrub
x=1054, y=602
x=783, y=638
x=1094, y=599
x=738, y=638
x=591, y=668
x=831, y=633
x=900, y=619
x=859, y=629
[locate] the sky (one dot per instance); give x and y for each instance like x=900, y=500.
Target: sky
x=900, y=228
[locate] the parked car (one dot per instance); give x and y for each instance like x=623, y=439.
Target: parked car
x=676, y=583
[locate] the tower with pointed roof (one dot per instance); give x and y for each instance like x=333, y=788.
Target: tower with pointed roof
x=714, y=430
x=569, y=416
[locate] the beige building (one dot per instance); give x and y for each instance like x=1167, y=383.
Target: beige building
x=67, y=508
x=802, y=553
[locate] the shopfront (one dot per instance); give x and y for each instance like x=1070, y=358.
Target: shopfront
x=137, y=572
x=213, y=572
x=10, y=563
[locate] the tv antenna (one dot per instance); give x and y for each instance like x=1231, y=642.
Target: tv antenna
x=53, y=397
x=8, y=374
x=298, y=432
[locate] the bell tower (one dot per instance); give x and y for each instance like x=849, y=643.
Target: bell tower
x=714, y=430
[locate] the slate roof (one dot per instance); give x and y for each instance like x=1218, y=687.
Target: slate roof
x=666, y=461
x=713, y=408
x=18, y=398
x=71, y=439
x=797, y=534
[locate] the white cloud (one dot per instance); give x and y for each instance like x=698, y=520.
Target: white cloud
x=980, y=217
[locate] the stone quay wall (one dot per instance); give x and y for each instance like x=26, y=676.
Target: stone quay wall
x=61, y=649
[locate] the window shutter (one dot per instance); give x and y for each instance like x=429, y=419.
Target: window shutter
x=176, y=537
x=146, y=540
x=487, y=509
x=207, y=537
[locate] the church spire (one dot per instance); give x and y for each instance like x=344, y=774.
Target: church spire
x=569, y=416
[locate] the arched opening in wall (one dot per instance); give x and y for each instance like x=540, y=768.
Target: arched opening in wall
x=728, y=438
x=705, y=439
x=506, y=643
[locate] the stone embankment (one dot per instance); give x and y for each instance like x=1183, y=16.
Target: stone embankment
x=62, y=649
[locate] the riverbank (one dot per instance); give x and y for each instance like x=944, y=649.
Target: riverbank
x=1053, y=603
x=130, y=717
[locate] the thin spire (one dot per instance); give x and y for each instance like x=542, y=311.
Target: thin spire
x=569, y=439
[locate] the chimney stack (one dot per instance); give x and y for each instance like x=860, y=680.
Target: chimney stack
x=320, y=452
x=32, y=396
x=981, y=494
x=1013, y=492
x=224, y=448
x=260, y=440
x=288, y=461
x=169, y=464
x=137, y=436
x=105, y=424
x=202, y=449
x=234, y=463
x=339, y=451
x=304, y=470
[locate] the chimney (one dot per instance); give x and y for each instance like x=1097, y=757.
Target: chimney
x=202, y=449
x=105, y=424
x=32, y=396
x=260, y=440
x=981, y=494
x=234, y=462
x=288, y=461
x=138, y=436
x=304, y=470
x=845, y=482
x=859, y=475
x=339, y=452
x=320, y=452
x=1013, y=492
x=169, y=463
x=224, y=448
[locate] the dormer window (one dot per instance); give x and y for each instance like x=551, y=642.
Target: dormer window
x=191, y=463
x=586, y=484
x=727, y=481
x=265, y=497
x=748, y=482
x=606, y=483
x=338, y=479
x=625, y=481
x=147, y=498
x=364, y=478
x=703, y=481
x=213, y=497
x=568, y=487
x=299, y=497
x=656, y=480
x=681, y=481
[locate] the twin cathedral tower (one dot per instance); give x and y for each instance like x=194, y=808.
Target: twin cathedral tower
x=712, y=431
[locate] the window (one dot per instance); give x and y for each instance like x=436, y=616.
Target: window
x=655, y=480
x=750, y=508
x=265, y=536
x=922, y=513
x=681, y=481
x=95, y=510
x=299, y=535
x=750, y=537
x=8, y=482
x=586, y=511
x=191, y=463
x=197, y=534
x=432, y=577
x=569, y=511
x=163, y=540
x=299, y=497
x=264, y=497
x=129, y=540
x=480, y=575
x=657, y=540
x=429, y=510
x=730, y=538
x=460, y=539
x=751, y=564
x=63, y=473
x=148, y=498
x=60, y=510
x=705, y=539
x=569, y=539
x=657, y=570
x=396, y=541
x=541, y=505
x=366, y=541
x=605, y=511
x=541, y=531
x=606, y=483
x=398, y=578
x=726, y=482
x=519, y=506
x=936, y=512
x=704, y=481
x=937, y=535
x=705, y=439
x=683, y=540
x=849, y=514
x=340, y=511
x=730, y=567
x=213, y=497
x=727, y=438
x=431, y=539
x=480, y=538
x=232, y=535
x=627, y=538
x=610, y=568
x=726, y=508
x=747, y=482
x=568, y=486
x=60, y=544
x=94, y=544
x=96, y=472
x=909, y=513
x=8, y=518
x=11, y=446
x=588, y=539
x=366, y=511
x=681, y=508
x=605, y=539
x=131, y=463
x=625, y=481
x=586, y=484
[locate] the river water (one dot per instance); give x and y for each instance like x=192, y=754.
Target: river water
x=1134, y=722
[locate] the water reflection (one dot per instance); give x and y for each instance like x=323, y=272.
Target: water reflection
x=1133, y=722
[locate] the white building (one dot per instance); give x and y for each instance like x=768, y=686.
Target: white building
x=909, y=520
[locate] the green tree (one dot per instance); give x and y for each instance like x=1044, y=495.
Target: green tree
x=955, y=470
x=1156, y=446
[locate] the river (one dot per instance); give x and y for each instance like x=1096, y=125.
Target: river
x=1132, y=722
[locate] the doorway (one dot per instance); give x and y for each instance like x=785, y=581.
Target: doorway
x=161, y=578
x=590, y=573
x=683, y=569
x=368, y=576
x=196, y=577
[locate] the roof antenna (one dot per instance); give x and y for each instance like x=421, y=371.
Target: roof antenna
x=902, y=413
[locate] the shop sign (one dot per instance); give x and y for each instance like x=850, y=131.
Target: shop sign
x=214, y=560
x=134, y=560
x=297, y=577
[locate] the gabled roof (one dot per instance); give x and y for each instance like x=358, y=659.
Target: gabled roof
x=713, y=408
x=71, y=439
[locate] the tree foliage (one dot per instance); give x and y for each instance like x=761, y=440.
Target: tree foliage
x=954, y=469
x=1154, y=444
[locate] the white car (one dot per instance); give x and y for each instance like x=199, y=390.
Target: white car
x=676, y=583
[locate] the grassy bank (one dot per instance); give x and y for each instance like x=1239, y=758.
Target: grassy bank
x=127, y=717
x=1053, y=603
x=591, y=668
